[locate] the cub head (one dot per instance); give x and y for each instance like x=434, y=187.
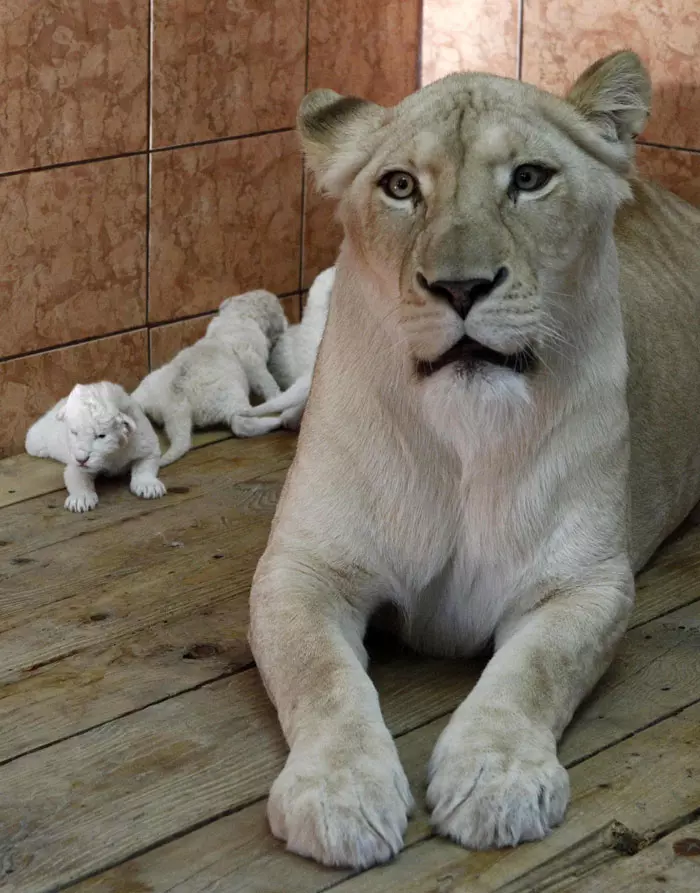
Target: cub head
x=96, y=427
x=475, y=202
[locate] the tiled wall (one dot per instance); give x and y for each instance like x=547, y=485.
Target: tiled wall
x=550, y=42
x=148, y=169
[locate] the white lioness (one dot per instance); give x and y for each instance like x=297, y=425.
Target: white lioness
x=466, y=449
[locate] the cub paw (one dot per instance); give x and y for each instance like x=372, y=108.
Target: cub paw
x=342, y=809
x=496, y=789
x=149, y=489
x=81, y=502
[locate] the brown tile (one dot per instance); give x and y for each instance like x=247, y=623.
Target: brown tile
x=168, y=340
x=72, y=253
x=223, y=68
x=485, y=39
x=31, y=385
x=73, y=83
x=562, y=37
x=677, y=171
x=292, y=307
x=322, y=233
x=225, y=218
x=364, y=47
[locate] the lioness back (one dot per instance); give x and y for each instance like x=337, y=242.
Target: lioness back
x=658, y=239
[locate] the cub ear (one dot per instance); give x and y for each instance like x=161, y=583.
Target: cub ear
x=335, y=133
x=614, y=94
x=127, y=424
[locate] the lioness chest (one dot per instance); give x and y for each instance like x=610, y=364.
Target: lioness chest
x=459, y=547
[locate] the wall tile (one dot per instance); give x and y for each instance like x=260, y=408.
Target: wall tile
x=31, y=385
x=225, y=218
x=292, y=308
x=479, y=36
x=226, y=67
x=322, y=233
x=170, y=339
x=72, y=253
x=73, y=80
x=562, y=37
x=364, y=47
x=677, y=171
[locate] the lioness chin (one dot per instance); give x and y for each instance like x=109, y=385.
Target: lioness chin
x=474, y=451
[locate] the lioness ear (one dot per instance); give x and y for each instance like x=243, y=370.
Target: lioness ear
x=614, y=94
x=335, y=132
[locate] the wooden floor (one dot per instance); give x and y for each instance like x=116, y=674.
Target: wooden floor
x=137, y=744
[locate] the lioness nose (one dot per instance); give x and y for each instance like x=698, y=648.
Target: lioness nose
x=464, y=293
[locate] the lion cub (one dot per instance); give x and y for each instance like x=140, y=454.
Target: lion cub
x=98, y=429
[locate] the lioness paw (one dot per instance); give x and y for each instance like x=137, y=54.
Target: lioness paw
x=343, y=810
x=489, y=790
x=81, y=502
x=148, y=489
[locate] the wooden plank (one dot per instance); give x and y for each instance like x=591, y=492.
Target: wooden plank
x=85, y=802
x=645, y=784
x=26, y=477
x=671, y=865
x=43, y=521
x=239, y=753
x=113, y=641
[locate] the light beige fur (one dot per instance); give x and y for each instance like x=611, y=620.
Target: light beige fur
x=488, y=506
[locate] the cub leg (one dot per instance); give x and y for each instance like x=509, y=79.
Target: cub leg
x=80, y=484
x=494, y=777
x=342, y=797
x=144, y=478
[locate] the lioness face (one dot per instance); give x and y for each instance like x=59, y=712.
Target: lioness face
x=472, y=202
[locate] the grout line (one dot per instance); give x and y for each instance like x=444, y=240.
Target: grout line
x=220, y=139
x=521, y=35
x=302, y=240
x=149, y=169
x=78, y=163
x=139, y=328
x=149, y=177
x=419, y=53
x=672, y=148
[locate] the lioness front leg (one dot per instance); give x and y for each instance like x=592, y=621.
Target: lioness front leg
x=494, y=777
x=342, y=797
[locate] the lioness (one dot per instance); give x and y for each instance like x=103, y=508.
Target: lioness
x=473, y=451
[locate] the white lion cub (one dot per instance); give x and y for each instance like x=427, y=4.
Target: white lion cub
x=293, y=358
x=98, y=429
x=210, y=382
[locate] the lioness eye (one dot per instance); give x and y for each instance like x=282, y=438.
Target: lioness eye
x=530, y=177
x=101, y=436
x=399, y=184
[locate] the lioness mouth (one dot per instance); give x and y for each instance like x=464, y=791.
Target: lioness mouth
x=469, y=354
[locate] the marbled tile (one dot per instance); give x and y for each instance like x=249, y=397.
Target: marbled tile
x=223, y=68
x=292, y=308
x=677, y=171
x=31, y=385
x=73, y=80
x=171, y=338
x=72, y=253
x=364, y=47
x=479, y=36
x=563, y=37
x=322, y=233
x=225, y=218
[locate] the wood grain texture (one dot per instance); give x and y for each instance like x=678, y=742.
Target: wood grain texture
x=24, y=477
x=240, y=846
